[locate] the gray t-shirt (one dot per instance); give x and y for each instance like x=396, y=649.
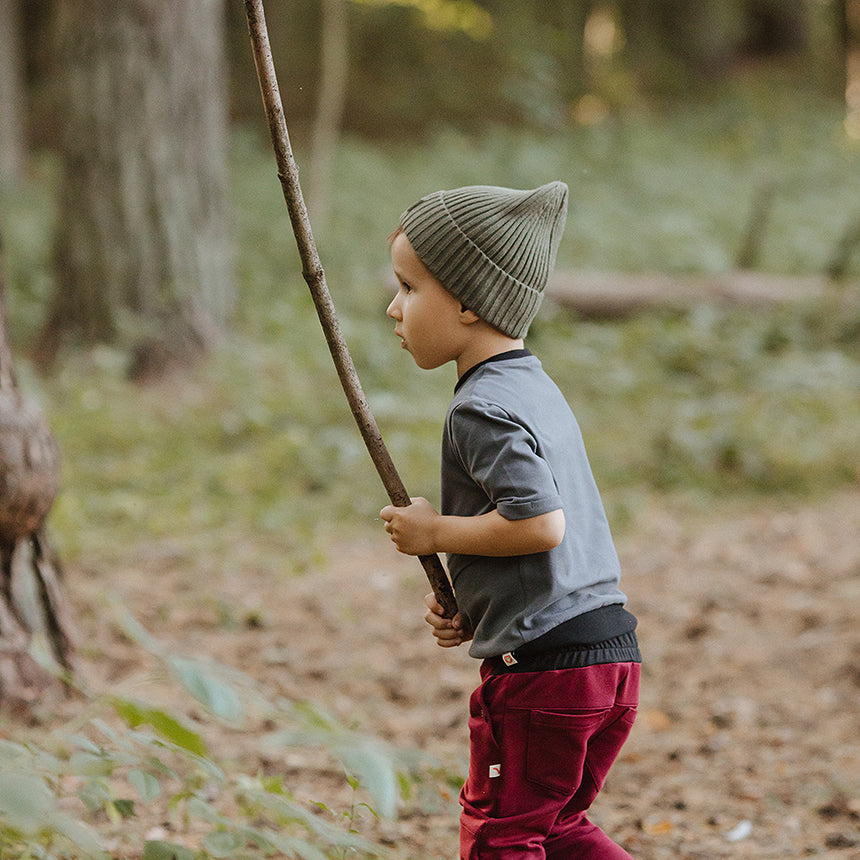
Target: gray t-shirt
x=511, y=442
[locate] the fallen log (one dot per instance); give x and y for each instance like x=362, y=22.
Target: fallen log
x=619, y=294
x=614, y=295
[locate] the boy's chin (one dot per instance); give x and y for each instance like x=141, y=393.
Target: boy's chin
x=428, y=363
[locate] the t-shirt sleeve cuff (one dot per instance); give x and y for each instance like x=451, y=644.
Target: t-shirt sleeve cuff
x=523, y=510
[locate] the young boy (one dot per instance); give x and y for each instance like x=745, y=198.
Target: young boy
x=527, y=542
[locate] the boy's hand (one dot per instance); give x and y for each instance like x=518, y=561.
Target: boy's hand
x=411, y=527
x=448, y=632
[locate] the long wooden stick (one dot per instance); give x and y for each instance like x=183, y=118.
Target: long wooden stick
x=313, y=273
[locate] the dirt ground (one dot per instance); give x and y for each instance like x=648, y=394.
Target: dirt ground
x=748, y=738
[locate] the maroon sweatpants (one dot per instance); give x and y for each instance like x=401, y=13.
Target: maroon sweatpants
x=542, y=744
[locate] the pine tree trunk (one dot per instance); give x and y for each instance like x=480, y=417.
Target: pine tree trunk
x=334, y=69
x=143, y=257
x=33, y=605
x=12, y=146
x=572, y=20
x=829, y=44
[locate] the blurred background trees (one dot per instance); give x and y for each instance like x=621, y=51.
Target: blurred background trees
x=12, y=136
x=416, y=64
x=701, y=137
x=135, y=97
x=126, y=104
x=143, y=248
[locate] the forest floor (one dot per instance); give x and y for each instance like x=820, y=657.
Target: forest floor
x=748, y=739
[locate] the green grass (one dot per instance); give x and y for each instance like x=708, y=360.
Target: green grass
x=258, y=446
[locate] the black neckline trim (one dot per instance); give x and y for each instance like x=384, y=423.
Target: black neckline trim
x=502, y=356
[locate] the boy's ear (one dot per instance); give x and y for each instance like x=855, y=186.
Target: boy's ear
x=466, y=316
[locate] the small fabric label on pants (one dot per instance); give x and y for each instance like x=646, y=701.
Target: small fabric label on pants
x=495, y=770
x=508, y=658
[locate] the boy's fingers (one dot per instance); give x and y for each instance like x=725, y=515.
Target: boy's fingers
x=449, y=643
x=432, y=604
x=435, y=620
x=447, y=636
x=436, y=617
x=448, y=632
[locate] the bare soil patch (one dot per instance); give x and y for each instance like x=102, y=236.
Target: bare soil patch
x=748, y=739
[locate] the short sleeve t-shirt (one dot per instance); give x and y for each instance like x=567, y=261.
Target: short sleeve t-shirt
x=511, y=443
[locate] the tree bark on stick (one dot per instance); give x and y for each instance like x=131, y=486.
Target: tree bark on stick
x=314, y=276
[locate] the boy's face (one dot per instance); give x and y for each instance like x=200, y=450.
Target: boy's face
x=431, y=323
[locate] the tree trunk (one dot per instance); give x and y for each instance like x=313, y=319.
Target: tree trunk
x=334, y=67
x=143, y=255
x=852, y=68
x=12, y=146
x=33, y=606
x=828, y=45
x=571, y=20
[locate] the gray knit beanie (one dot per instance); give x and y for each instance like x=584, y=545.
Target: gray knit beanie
x=492, y=248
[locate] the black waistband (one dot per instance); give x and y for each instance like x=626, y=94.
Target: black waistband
x=598, y=625
x=620, y=649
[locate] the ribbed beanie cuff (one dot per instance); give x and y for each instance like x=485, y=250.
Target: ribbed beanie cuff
x=492, y=248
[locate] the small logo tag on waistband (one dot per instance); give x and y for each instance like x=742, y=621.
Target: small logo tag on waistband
x=508, y=658
x=495, y=770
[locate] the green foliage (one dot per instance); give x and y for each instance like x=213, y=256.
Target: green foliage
x=53, y=793
x=366, y=759
x=259, y=445
x=720, y=400
x=415, y=65
x=30, y=815
x=463, y=16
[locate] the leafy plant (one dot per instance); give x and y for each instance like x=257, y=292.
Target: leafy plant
x=154, y=759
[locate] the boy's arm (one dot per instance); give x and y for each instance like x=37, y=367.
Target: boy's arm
x=419, y=530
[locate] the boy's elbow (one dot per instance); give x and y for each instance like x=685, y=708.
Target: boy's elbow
x=552, y=529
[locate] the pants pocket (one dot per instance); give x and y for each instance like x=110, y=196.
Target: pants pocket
x=603, y=747
x=557, y=746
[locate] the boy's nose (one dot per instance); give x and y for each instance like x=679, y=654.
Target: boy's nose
x=392, y=310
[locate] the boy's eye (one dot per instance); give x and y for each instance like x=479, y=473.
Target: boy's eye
x=407, y=288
